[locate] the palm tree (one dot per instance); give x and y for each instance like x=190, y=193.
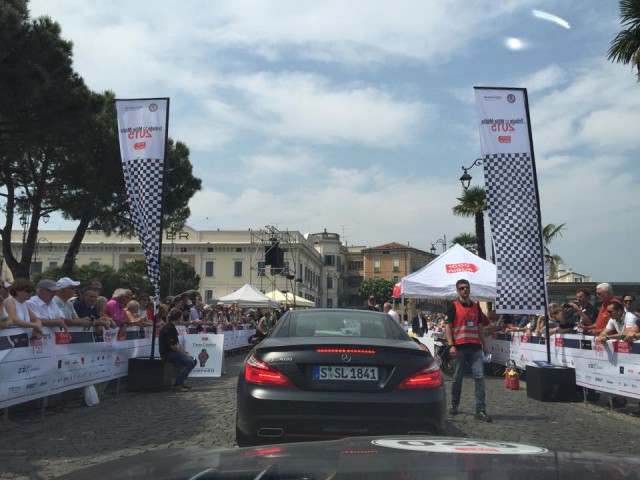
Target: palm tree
x=625, y=47
x=473, y=203
x=467, y=240
x=550, y=232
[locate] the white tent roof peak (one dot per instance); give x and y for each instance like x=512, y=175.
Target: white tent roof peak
x=249, y=296
x=438, y=278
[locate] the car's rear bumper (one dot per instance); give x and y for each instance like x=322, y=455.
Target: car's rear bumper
x=283, y=414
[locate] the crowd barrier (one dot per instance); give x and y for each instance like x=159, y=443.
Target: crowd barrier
x=32, y=369
x=612, y=367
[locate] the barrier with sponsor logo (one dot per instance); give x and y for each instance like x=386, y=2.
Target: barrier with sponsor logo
x=32, y=369
x=612, y=367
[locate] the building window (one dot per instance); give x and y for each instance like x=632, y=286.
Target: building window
x=238, y=249
x=183, y=249
x=54, y=263
x=132, y=249
x=376, y=265
x=329, y=281
x=237, y=268
x=209, y=249
x=36, y=267
x=329, y=260
x=95, y=263
x=355, y=265
x=354, y=281
x=261, y=269
x=396, y=264
x=577, y=279
x=208, y=296
x=208, y=269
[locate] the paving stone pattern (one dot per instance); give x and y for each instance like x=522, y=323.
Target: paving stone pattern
x=133, y=423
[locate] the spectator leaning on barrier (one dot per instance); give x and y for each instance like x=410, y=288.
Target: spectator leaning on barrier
x=588, y=313
x=115, y=306
x=18, y=313
x=172, y=351
x=622, y=325
x=86, y=307
x=67, y=290
x=43, y=306
x=627, y=301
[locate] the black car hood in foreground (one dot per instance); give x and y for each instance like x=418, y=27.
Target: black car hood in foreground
x=401, y=458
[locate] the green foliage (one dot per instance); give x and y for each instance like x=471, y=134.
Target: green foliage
x=176, y=277
x=473, y=203
x=378, y=287
x=625, y=47
x=466, y=240
x=59, y=144
x=105, y=274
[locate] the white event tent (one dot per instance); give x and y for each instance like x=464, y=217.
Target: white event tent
x=249, y=296
x=438, y=278
x=289, y=299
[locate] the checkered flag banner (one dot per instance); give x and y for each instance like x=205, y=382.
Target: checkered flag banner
x=142, y=125
x=512, y=200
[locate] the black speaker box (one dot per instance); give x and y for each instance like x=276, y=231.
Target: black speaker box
x=149, y=374
x=557, y=384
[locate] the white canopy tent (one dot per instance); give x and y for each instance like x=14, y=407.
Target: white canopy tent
x=249, y=296
x=438, y=278
x=289, y=299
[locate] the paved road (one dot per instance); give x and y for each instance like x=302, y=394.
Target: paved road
x=137, y=422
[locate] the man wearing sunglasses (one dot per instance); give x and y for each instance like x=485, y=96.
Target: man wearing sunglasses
x=464, y=332
x=622, y=325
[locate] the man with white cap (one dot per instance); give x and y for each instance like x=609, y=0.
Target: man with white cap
x=43, y=306
x=66, y=291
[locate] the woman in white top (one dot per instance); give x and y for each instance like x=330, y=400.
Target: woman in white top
x=18, y=315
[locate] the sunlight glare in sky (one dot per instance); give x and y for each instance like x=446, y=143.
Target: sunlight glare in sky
x=514, y=43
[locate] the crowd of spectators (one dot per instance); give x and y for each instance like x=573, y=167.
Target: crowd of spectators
x=65, y=303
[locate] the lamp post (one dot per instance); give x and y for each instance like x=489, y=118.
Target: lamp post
x=465, y=179
x=35, y=251
x=443, y=241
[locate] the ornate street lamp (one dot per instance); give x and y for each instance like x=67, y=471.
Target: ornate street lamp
x=443, y=241
x=465, y=179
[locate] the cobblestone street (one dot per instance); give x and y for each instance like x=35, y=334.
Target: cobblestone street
x=136, y=422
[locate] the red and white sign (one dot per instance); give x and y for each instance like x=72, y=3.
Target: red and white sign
x=461, y=267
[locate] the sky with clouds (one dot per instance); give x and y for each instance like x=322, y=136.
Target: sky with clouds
x=358, y=116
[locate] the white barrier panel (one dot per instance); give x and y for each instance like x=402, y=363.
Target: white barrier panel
x=613, y=367
x=207, y=349
x=31, y=369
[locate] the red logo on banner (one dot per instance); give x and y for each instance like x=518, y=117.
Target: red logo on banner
x=140, y=145
x=559, y=342
x=461, y=267
x=63, y=337
x=524, y=339
x=621, y=347
x=504, y=139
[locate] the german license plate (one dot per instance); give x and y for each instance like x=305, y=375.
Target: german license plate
x=328, y=372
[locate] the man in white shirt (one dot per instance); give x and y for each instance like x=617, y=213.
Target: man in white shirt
x=66, y=291
x=388, y=309
x=622, y=325
x=43, y=306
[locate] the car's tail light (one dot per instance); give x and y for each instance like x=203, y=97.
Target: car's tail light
x=261, y=373
x=429, y=377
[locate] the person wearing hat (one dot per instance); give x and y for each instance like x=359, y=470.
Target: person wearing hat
x=43, y=306
x=66, y=291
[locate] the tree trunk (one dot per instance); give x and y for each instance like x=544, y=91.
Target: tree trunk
x=74, y=247
x=482, y=252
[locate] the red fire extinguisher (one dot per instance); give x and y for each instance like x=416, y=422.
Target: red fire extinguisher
x=511, y=379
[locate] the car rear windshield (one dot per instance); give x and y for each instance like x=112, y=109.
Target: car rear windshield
x=342, y=324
